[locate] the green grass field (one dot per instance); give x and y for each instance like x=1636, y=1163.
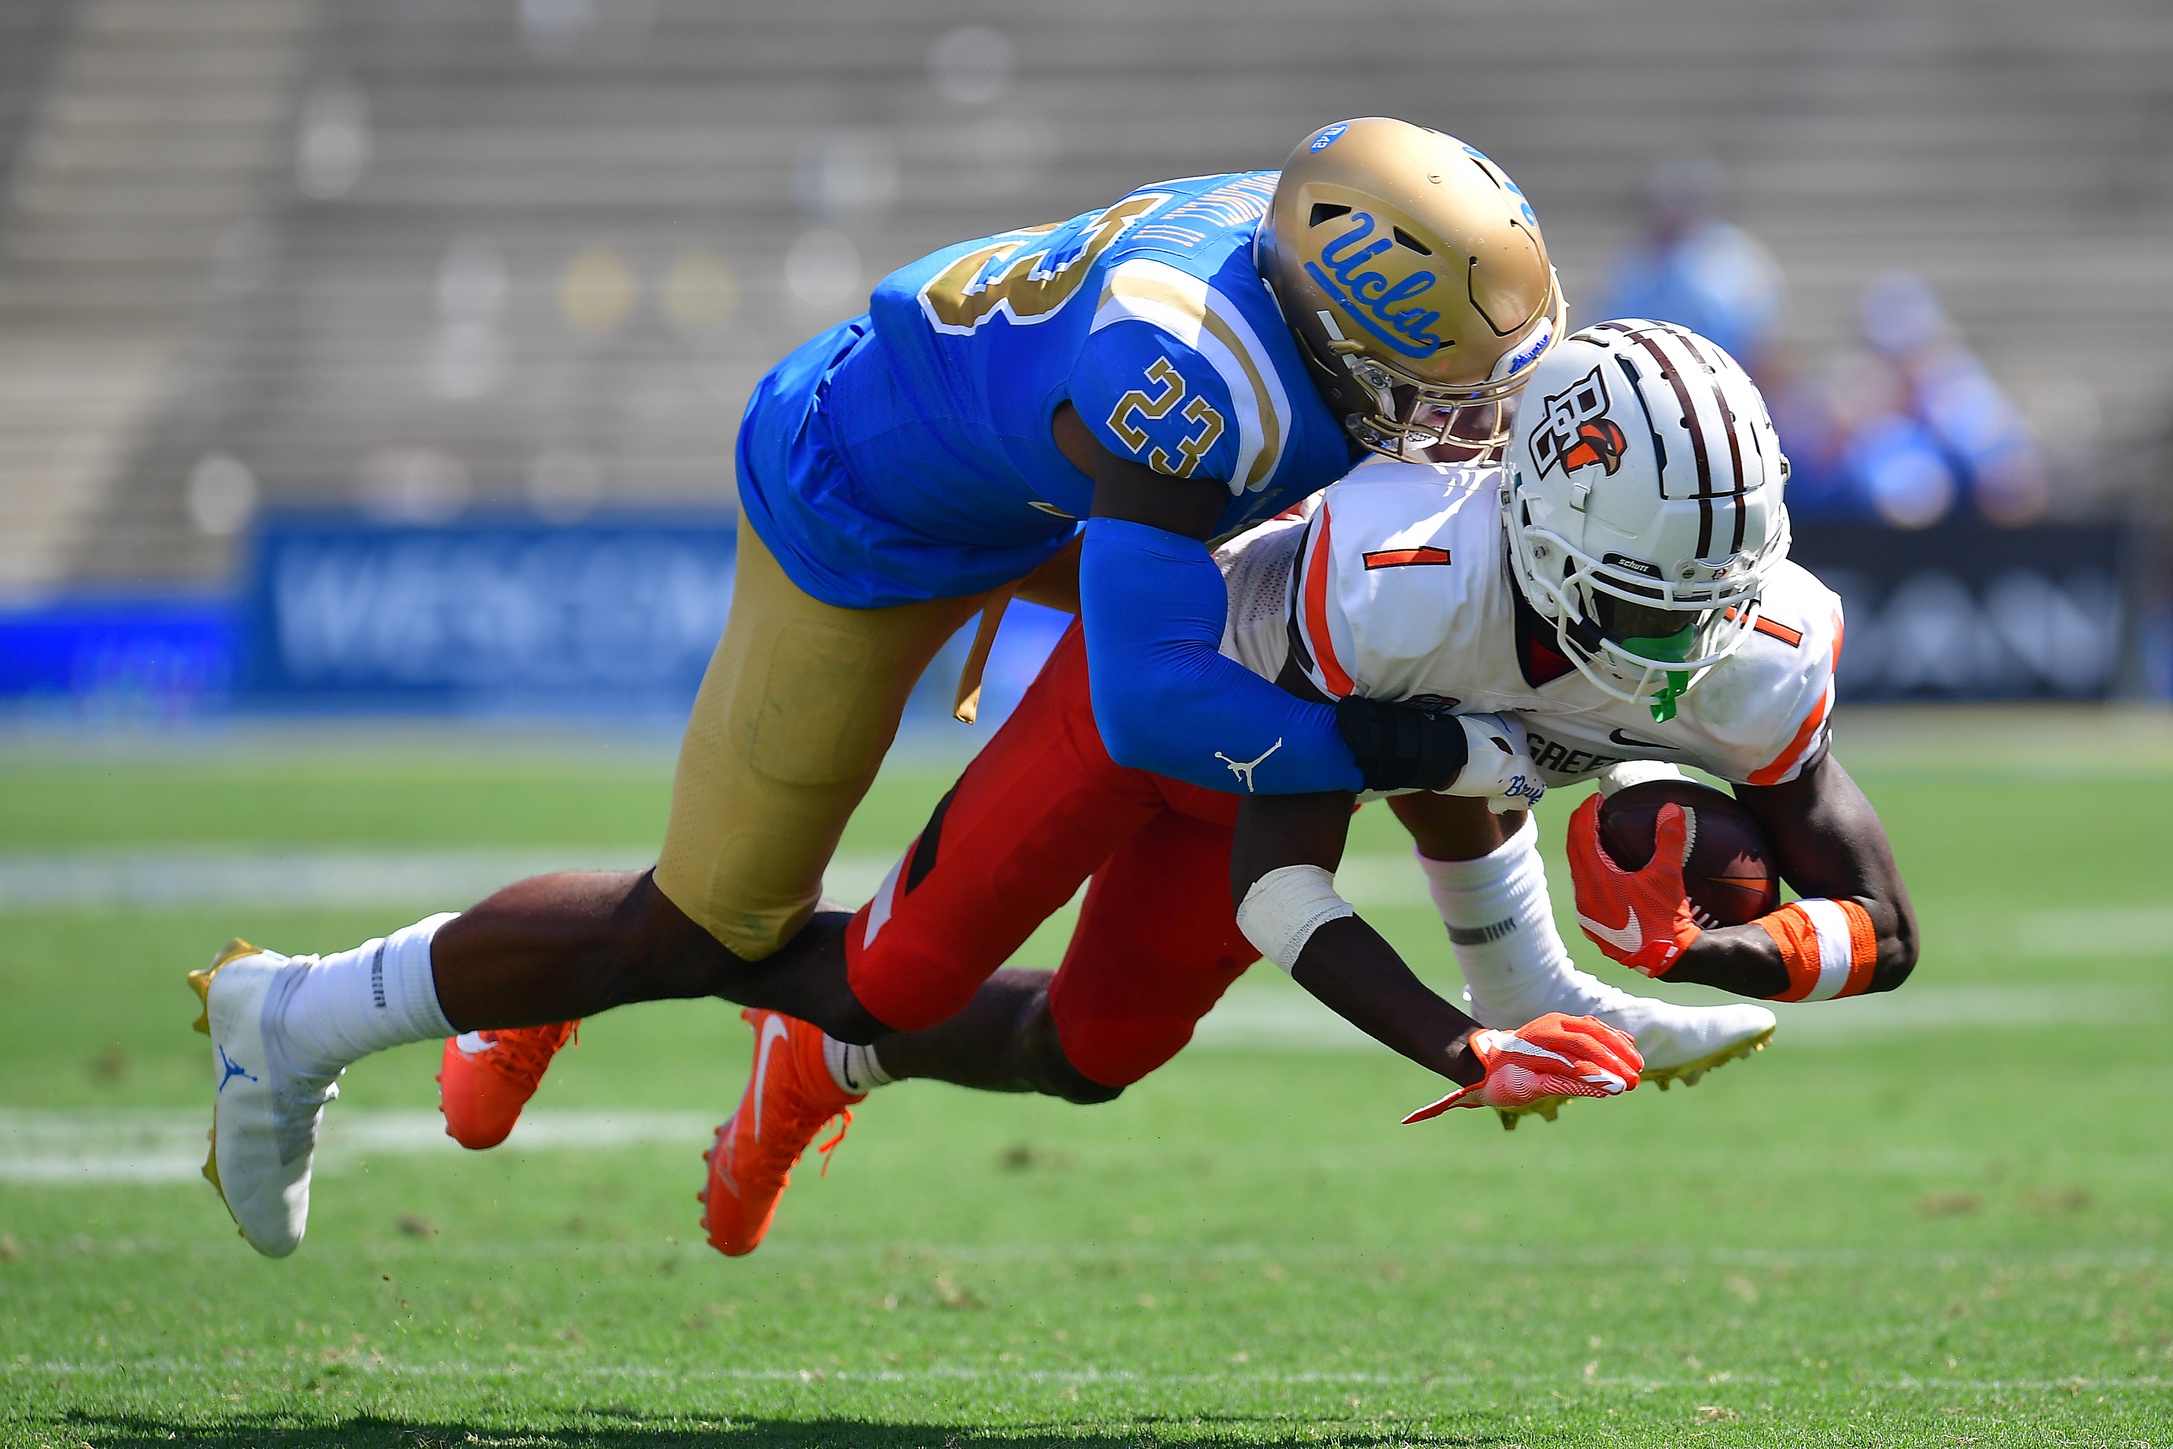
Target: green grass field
x=1939, y=1219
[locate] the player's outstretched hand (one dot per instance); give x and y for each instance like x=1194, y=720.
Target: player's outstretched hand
x=1544, y=1063
x=1641, y=918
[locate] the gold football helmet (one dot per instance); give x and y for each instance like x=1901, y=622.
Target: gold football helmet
x=1411, y=269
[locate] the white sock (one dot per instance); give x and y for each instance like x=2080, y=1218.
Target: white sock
x=1516, y=966
x=336, y=1010
x=853, y=1068
x=1501, y=926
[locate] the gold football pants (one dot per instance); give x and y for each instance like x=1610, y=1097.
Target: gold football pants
x=795, y=713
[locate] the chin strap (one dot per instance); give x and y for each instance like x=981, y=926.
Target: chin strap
x=1663, y=702
x=1668, y=646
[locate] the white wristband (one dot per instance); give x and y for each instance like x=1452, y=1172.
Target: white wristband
x=1285, y=907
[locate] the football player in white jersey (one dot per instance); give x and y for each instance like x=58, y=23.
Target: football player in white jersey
x=1624, y=596
x=1613, y=599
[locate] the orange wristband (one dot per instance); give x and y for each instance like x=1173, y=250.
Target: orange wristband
x=1829, y=948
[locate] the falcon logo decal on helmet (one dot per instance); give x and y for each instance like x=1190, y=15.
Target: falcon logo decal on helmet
x=1575, y=430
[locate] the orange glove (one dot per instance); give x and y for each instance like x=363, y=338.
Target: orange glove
x=1638, y=917
x=1542, y=1064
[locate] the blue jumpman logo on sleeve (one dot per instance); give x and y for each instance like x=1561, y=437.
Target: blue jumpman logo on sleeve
x=230, y=1069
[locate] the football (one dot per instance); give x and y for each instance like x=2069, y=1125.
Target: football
x=1728, y=872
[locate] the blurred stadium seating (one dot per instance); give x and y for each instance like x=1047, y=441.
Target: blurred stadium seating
x=412, y=255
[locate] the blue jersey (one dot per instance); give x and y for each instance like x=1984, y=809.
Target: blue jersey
x=907, y=454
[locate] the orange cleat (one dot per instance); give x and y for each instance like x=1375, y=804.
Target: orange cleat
x=787, y=1101
x=486, y=1077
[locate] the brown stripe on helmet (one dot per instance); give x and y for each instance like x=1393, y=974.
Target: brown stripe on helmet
x=1750, y=424
x=1735, y=446
x=1672, y=371
x=1637, y=390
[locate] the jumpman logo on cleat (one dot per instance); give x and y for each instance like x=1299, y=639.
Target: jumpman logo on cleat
x=230, y=1069
x=1244, y=770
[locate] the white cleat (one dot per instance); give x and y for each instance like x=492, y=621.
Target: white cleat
x=1678, y=1043
x=265, y=1115
x=1683, y=1043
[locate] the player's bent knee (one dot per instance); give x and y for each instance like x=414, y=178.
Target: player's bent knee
x=1114, y=1054
x=1049, y=1064
x=1082, y=1093
x=1058, y=1077
x=908, y=992
x=655, y=952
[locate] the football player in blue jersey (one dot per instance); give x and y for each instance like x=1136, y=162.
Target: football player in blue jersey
x=1066, y=413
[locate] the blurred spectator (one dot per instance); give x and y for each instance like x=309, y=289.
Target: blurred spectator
x=1909, y=423
x=1691, y=268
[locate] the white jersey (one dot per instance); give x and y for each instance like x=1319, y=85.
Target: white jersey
x=1393, y=584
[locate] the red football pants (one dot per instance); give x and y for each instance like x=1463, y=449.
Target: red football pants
x=1039, y=810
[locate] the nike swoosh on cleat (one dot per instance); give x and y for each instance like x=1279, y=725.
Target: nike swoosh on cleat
x=774, y=1031
x=720, y=1159
x=1626, y=937
x=1635, y=743
x=471, y=1043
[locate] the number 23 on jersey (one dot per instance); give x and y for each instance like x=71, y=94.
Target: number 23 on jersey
x=1164, y=393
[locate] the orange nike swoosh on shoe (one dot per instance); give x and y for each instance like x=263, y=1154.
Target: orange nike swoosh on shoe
x=789, y=1096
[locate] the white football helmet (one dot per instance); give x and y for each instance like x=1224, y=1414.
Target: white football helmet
x=1643, y=505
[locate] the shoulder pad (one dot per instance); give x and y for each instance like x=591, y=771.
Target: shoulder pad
x=1374, y=601
x=1174, y=376
x=1769, y=706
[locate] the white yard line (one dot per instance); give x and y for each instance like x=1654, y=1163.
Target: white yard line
x=89, y=1146
x=175, y=877
x=1256, y=1018
x=84, y=1147
x=306, y=878
x=171, y=878
x=1917, y=1010
x=303, y=879
x=2096, y=931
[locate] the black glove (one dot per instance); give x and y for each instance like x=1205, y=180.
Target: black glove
x=1403, y=746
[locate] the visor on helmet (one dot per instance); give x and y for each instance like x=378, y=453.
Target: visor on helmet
x=1646, y=634
x=1400, y=415
x=1639, y=638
